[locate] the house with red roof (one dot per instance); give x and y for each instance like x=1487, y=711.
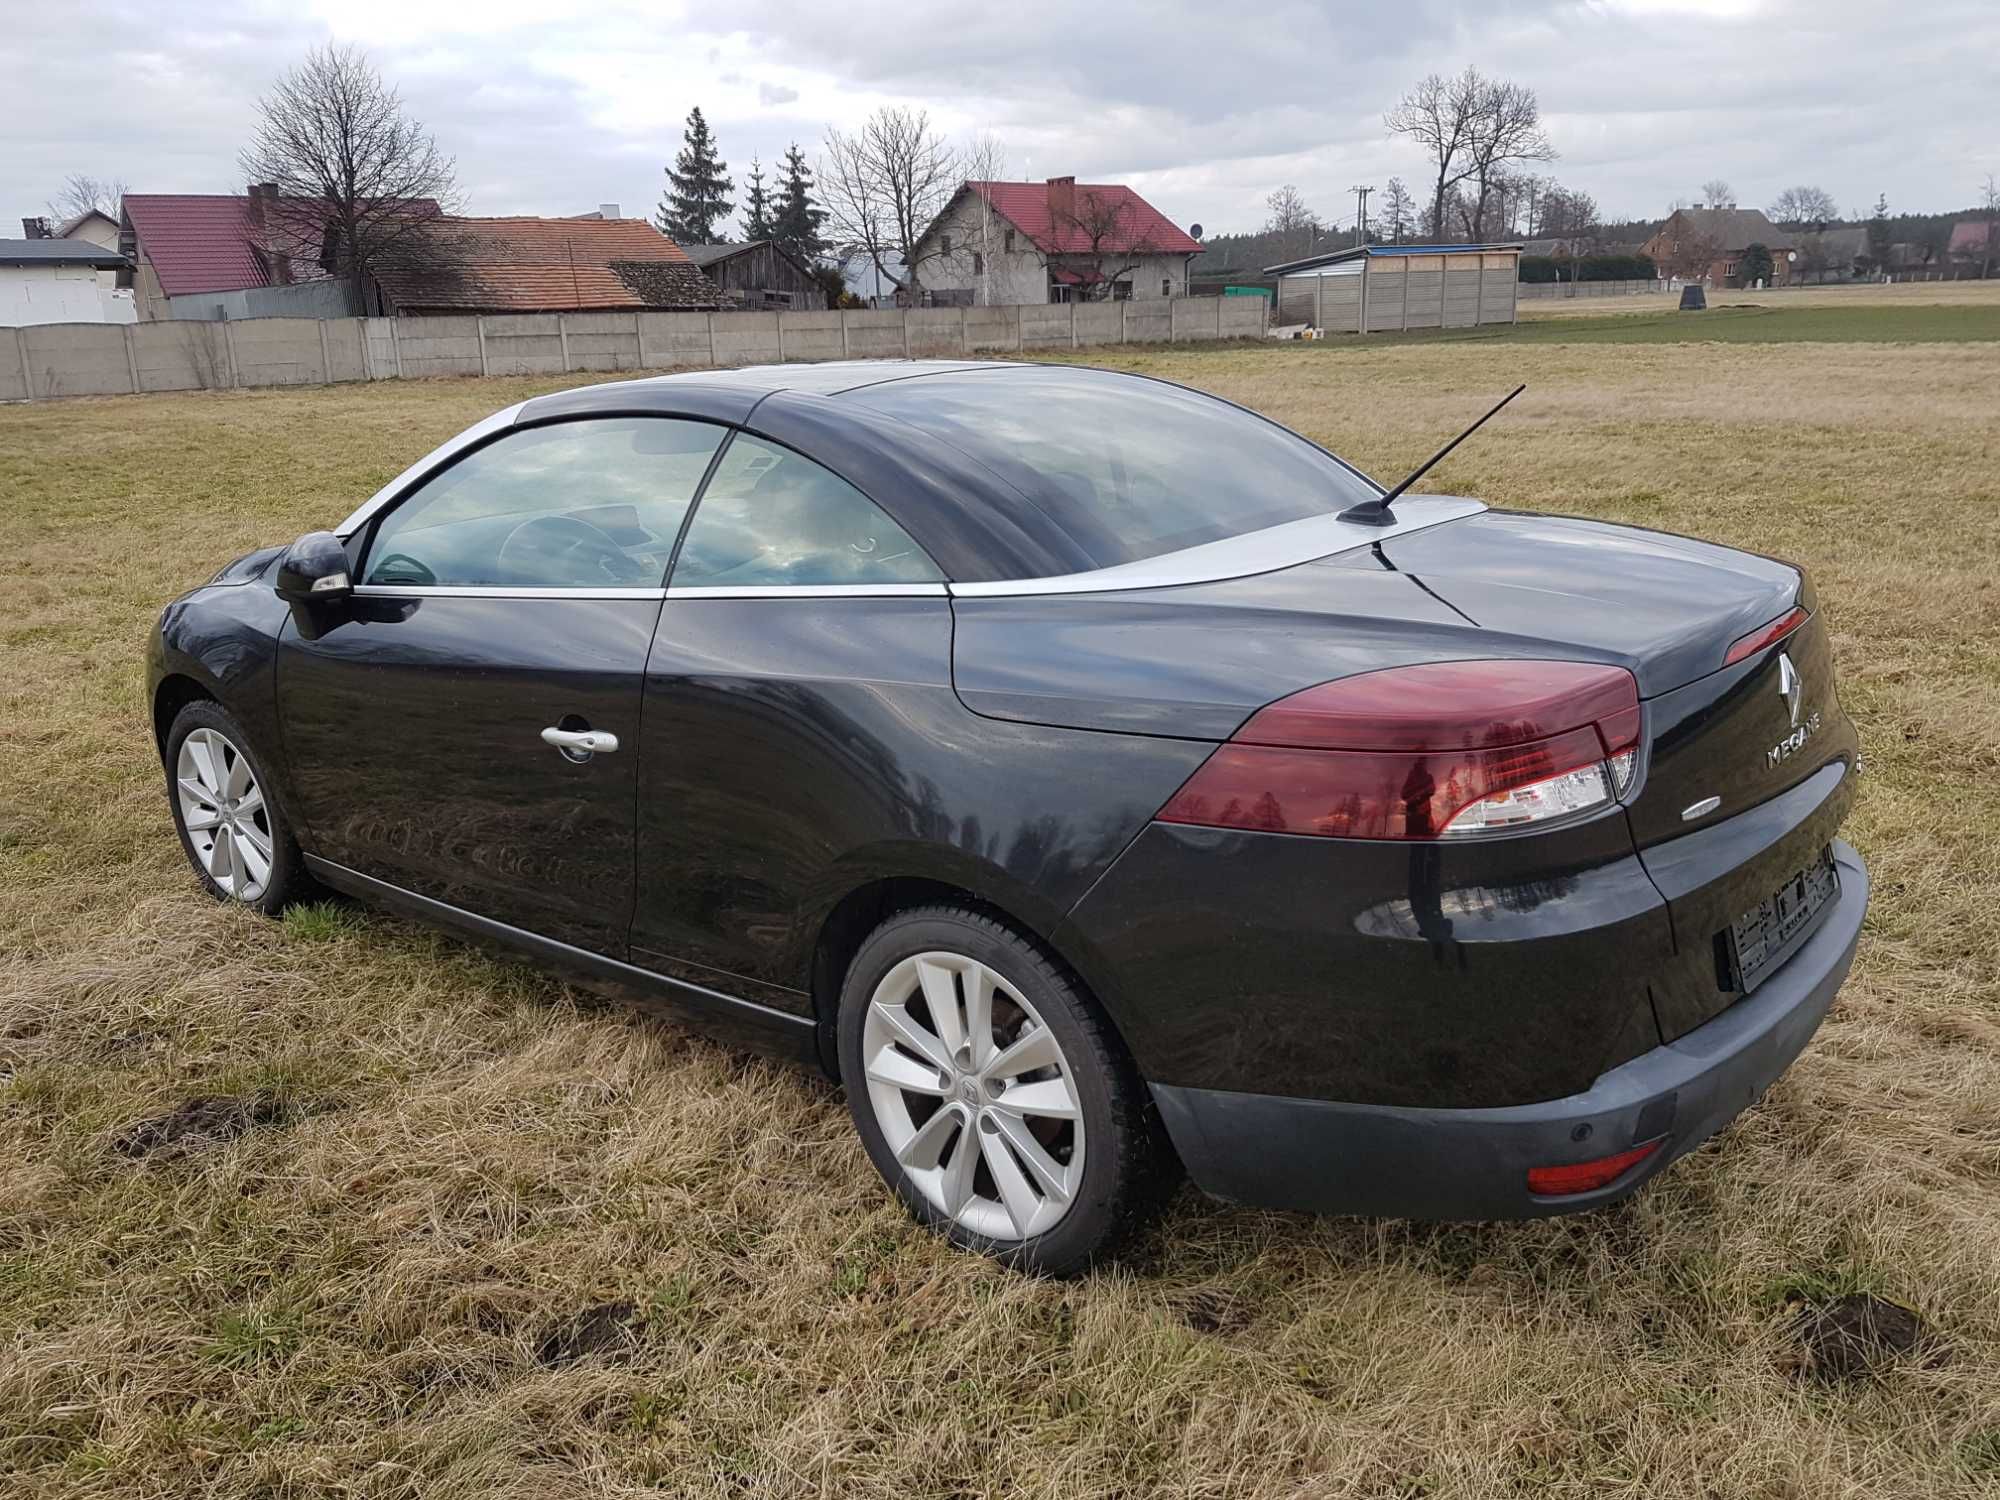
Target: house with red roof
x=220, y=255
x=1001, y=243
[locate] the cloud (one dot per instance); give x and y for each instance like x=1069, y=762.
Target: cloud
x=550, y=112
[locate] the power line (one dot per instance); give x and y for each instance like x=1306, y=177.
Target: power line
x=1361, y=214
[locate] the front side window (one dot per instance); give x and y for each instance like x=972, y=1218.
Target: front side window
x=1124, y=468
x=772, y=518
x=588, y=504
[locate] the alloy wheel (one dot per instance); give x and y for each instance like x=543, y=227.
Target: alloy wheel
x=973, y=1095
x=222, y=807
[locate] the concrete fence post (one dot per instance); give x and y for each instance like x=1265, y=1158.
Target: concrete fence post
x=781, y=336
x=1125, y=323
x=396, y=343
x=711, y=338
x=639, y=337
x=562, y=338
x=843, y=333
x=964, y=340
x=479, y=322
x=1319, y=301
x=1072, y=325
x=131, y=359
x=325, y=358
x=229, y=348
x=906, y=333
x=27, y=370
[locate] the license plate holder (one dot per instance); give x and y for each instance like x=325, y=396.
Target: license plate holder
x=1770, y=932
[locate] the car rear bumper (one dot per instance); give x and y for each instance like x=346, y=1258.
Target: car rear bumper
x=1280, y=1152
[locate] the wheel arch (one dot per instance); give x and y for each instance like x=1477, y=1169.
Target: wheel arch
x=175, y=692
x=870, y=903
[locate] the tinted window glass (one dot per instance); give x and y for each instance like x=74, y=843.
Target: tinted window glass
x=771, y=517
x=593, y=504
x=1126, y=468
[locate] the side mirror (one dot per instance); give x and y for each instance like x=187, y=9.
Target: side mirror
x=314, y=570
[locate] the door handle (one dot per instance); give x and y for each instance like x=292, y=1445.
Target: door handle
x=578, y=742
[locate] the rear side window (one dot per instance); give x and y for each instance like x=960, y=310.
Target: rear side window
x=772, y=518
x=588, y=504
x=1126, y=468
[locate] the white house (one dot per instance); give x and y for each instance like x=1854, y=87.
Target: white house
x=998, y=243
x=57, y=281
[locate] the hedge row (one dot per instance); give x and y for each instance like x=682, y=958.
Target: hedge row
x=1590, y=268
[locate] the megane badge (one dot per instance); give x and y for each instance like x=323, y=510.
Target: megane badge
x=1793, y=689
x=1791, y=686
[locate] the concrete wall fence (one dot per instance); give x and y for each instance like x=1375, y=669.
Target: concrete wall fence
x=1535, y=291
x=85, y=359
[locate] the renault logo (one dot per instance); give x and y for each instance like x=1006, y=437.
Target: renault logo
x=1791, y=687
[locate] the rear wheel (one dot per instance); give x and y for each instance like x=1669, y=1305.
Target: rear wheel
x=991, y=1095
x=234, y=835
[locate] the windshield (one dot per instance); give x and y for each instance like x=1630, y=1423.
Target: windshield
x=1126, y=468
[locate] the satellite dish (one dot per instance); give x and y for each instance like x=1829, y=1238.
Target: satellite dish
x=1195, y=230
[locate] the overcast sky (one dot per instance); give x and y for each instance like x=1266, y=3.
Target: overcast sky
x=1202, y=108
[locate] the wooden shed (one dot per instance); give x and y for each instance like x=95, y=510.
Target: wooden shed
x=761, y=274
x=1385, y=288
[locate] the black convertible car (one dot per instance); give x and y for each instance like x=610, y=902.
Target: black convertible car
x=1096, y=777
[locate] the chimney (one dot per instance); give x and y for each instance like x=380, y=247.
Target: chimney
x=1062, y=196
x=607, y=211
x=35, y=229
x=256, y=207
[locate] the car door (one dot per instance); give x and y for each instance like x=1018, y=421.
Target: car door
x=504, y=609
x=804, y=647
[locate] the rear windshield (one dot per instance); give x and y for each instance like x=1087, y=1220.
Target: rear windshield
x=1126, y=468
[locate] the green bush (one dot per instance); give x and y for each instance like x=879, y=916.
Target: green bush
x=1544, y=268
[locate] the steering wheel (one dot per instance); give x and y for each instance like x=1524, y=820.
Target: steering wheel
x=576, y=551
x=400, y=567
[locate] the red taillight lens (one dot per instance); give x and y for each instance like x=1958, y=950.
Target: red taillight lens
x=1587, y=1176
x=1764, y=635
x=1441, y=749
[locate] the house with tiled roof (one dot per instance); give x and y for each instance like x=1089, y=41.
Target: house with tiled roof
x=196, y=254
x=520, y=264
x=1707, y=244
x=1060, y=240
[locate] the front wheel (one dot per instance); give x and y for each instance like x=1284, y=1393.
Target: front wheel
x=231, y=830
x=991, y=1095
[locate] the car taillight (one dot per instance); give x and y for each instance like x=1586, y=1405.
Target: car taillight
x=1587, y=1176
x=1438, y=750
x=1768, y=634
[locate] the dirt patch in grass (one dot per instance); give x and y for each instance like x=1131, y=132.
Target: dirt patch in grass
x=1858, y=1335
x=610, y=1330
x=196, y=1126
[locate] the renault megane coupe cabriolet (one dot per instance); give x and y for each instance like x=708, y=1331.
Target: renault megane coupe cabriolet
x=1097, y=779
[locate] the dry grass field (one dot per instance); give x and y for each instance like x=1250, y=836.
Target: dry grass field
x=401, y=1172
x=1865, y=294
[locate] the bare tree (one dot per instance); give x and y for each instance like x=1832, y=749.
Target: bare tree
x=983, y=159
x=1399, y=211
x=1692, y=253
x=358, y=183
x=1439, y=115
x=1804, y=207
x=1295, y=226
x=1506, y=128
x=1105, y=224
x=1717, y=193
x=1989, y=202
x=884, y=184
x=81, y=194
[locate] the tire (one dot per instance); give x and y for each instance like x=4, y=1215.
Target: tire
x=266, y=872
x=924, y=1094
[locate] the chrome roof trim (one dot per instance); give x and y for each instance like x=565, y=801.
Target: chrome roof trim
x=1243, y=556
x=808, y=591
x=496, y=591
x=446, y=450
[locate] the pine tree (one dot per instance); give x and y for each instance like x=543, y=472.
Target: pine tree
x=757, y=206
x=796, y=223
x=697, y=196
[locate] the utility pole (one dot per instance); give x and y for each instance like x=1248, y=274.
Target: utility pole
x=1361, y=214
